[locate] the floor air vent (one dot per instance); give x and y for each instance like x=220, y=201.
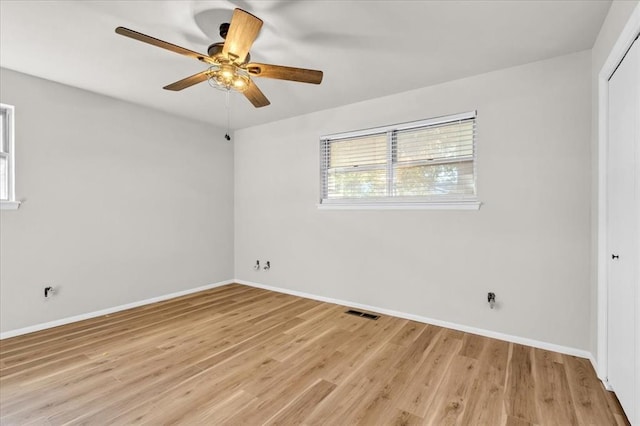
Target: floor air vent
x=362, y=314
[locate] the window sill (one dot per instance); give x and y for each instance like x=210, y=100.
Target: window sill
x=9, y=205
x=460, y=205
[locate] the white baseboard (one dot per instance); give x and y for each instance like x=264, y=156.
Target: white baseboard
x=467, y=329
x=75, y=318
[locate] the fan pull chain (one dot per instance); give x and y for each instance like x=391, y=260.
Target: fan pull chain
x=226, y=136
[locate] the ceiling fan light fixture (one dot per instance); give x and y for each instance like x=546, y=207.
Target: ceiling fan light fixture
x=226, y=71
x=228, y=77
x=239, y=84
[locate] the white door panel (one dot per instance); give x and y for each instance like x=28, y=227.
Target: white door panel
x=622, y=225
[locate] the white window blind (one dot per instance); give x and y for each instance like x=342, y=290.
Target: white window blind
x=7, y=184
x=428, y=161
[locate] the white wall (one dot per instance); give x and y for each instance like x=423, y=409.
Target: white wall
x=529, y=243
x=617, y=17
x=122, y=203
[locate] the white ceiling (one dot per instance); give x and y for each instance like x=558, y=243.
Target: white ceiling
x=366, y=49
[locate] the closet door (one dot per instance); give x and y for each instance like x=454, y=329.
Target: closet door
x=622, y=226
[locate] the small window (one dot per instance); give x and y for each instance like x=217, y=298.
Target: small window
x=427, y=163
x=7, y=163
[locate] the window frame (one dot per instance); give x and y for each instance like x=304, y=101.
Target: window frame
x=458, y=202
x=9, y=128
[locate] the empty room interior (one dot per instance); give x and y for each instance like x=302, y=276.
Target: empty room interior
x=320, y=212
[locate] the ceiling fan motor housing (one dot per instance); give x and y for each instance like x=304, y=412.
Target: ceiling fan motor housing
x=215, y=51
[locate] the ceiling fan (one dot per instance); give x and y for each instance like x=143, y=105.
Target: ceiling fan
x=229, y=66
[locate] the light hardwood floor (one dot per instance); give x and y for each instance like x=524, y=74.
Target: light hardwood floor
x=240, y=355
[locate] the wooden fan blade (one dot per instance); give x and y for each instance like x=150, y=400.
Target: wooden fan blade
x=243, y=30
x=255, y=96
x=163, y=44
x=285, y=73
x=188, y=82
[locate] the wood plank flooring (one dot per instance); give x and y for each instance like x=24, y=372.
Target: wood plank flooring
x=239, y=355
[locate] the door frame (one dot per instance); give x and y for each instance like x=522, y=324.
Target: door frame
x=626, y=38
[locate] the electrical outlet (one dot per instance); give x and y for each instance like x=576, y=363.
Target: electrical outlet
x=491, y=299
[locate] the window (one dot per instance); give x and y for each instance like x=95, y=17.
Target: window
x=427, y=164
x=7, y=173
